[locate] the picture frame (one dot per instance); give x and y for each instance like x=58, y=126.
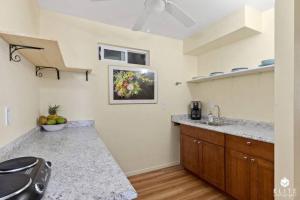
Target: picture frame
x=132, y=85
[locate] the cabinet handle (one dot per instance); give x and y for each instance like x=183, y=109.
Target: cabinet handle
x=252, y=160
x=245, y=157
x=248, y=143
x=195, y=141
x=199, y=142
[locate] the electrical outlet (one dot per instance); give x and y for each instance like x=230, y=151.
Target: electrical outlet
x=7, y=116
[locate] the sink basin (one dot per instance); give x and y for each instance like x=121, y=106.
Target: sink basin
x=215, y=123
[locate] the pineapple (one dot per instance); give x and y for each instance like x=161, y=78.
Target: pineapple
x=52, y=110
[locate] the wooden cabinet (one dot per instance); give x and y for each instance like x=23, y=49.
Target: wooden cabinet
x=261, y=179
x=249, y=169
x=190, y=154
x=213, y=169
x=237, y=175
x=203, y=134
x=204, y=159
x=252, y=147
x=249, y=164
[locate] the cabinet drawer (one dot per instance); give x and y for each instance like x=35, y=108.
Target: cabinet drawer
x=251, y=147
x=189, y=131
x=203, y=134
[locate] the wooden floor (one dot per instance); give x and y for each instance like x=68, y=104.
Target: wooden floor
x=173, y=183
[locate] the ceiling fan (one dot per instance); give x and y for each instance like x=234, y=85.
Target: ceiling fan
x=161, y=6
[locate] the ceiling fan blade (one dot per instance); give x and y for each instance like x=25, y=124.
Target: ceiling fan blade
x=141, y=21
x=179, y=14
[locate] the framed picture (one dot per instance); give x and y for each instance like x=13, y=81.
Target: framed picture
x=132, y=85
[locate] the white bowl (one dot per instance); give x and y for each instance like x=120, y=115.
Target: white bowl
x=51, y=128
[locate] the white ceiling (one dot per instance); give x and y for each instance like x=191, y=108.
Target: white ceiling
x=124, y=13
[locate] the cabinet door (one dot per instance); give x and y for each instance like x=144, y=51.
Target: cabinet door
x=213, y=169
x=189, y=153
x=261, y=179
x=237, y=175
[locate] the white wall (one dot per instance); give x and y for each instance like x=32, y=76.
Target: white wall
x=139, y=136
x=18, y=85
x=248, y=97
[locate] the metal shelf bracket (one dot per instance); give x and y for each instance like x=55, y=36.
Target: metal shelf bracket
x=87, y=75
x=40, y=74
x=14, y=47
x=13, y=56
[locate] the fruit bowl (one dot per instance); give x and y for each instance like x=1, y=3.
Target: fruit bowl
x=52, y=122
x=52, y=128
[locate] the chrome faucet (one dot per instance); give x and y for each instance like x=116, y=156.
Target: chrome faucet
x=219, y=111
x=215, y=120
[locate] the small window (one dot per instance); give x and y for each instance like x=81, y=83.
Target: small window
x=114, y=55
x=137, y=58
x=124, y=55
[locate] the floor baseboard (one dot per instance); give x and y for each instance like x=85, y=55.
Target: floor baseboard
x=153, y=168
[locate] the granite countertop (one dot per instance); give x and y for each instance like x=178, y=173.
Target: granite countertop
x=244, y=128
x=83, y=168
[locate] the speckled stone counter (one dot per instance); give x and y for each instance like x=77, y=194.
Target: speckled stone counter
x=244, y=128
x=83, y=168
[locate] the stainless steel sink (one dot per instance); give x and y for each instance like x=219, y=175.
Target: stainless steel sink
x=215, y=123
x=217, y=120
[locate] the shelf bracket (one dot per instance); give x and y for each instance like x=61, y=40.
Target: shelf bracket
x=14, y=47
x=87, y=75
x=40, y=74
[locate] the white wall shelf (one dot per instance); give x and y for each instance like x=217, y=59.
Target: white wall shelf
x=233, y=74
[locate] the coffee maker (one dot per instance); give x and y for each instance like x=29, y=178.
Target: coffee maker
x=196, y=108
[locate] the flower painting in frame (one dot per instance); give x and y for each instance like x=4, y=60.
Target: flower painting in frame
x=132, y=85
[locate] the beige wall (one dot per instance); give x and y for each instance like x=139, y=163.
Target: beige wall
x=238, y=25
x=19, y=16
x=141, y=137
x=248, y=97
x=18, y=85
x=287, y=93
x=297, y=97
